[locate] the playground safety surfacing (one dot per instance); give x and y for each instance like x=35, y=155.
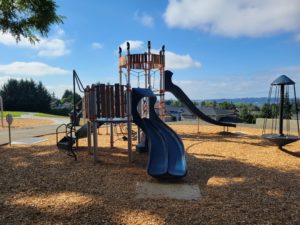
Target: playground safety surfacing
x=242, y=180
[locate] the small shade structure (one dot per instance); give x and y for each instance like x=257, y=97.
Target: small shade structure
x=276, y=127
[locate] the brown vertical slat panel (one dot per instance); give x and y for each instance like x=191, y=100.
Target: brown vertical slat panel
x=122, y=103
x=117, y=100
x=108, y=113
x=112, y=101
x=98, y=100
x=90, y=103
x=103, y=100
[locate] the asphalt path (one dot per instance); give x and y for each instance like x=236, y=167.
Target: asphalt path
x=30, y=132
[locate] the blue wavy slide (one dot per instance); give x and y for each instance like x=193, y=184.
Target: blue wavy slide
x=166, y=150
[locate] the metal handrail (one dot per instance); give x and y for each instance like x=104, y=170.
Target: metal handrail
x=58, y=129
x=78, y=82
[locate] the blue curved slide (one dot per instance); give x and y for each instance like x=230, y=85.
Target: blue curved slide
x=166, y=150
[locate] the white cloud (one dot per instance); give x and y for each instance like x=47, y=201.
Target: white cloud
x=144, y=19
x=31, y=69
x=134, y=44
x=235, y=18
x=58, y=90
x=9, y=40
x=97, y=45
x=60, y=32
x=289, y=69
x=52, y=47
x=176, y=61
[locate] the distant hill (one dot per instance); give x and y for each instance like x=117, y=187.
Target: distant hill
x=255, y=101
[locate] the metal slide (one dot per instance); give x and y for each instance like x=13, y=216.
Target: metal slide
x=81, y=132
x=181, y=96
x=166, y=150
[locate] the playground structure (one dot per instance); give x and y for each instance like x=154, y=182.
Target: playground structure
x=119, y=104
x=279, y=107
x=112, y=103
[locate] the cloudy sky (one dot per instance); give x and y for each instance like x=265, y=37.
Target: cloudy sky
x=216, y=48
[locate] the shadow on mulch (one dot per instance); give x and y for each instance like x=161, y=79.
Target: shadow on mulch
x=264, y=196
x=206, y=137
x=295, y=154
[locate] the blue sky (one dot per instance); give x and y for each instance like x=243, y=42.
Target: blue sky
x=216, y=48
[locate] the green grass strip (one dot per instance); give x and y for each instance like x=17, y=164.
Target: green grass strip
x=13, y=113
x=47, y=115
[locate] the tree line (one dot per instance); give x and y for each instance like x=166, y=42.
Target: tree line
x=28, y=96
x=248, y=112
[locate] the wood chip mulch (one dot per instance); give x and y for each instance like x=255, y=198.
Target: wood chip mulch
x=26, y=122
x=242, y=179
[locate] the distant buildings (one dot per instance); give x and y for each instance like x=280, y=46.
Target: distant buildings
x=182, y=113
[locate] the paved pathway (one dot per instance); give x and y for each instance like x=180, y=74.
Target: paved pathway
x=29, y=132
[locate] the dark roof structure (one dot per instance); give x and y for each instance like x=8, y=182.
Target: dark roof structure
x=217, y=112
x=283, y=80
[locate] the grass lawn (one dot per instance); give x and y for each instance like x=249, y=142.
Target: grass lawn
x=47, y=115
x=13, y=113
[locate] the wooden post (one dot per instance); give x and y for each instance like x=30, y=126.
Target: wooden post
x=9, y=120
x=89, y=133
x=129, y=105
x=94, y=122
x=95, y=139
x=111, y=135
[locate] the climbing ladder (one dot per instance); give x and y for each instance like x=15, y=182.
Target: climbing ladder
x=67, y=142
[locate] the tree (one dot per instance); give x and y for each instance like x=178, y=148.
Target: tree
x=246, y=116
x=287, y=107
x=177, y=103
x=294, y=111
x=212, y=104
x=226, y=105
x=68, y=97
x=43, y=99
x=250, y=106
x=168, y=102
x=25, y=95
x=26, y=17
x=266, y=111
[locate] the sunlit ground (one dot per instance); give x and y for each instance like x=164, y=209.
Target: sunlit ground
x=242, y=179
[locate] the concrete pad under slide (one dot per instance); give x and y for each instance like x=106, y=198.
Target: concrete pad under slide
x=167, y=190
